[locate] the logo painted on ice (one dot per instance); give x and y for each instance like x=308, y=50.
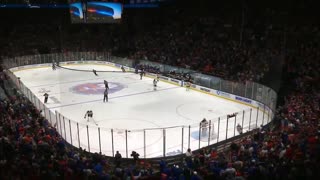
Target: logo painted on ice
x=96, y=88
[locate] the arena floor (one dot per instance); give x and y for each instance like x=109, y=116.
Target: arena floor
x=133, y=105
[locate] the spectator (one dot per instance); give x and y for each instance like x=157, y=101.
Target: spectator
x=117, y=159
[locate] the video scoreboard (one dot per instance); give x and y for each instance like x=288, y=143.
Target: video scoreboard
x=86, y=11
x=105, y=11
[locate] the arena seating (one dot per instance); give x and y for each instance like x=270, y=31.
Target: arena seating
x=289, y=148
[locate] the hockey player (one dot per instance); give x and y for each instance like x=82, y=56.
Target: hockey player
x=239, y=129
x=141, y=74
x=89, y=114
x=94, y=72
x=155, y=81
x=46, y=96
x=122, y=68
x=204, y=127
x=106, y=84
x=53, y=66
x=188, y=84
x=105, y=96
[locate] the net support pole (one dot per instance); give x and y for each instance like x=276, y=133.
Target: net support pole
x=234, y=128
x=112, y=143
x=264, y=110
x=99, y=139
x=60, y=124
x=227, y=128
x=199, y=135
x=218, y=129
x=189, y=137
x=88, y=138
x=164, y=142
x=57, y=122
x=70, y=132
x=144, y=144
x=242, y=119
x=126, y=143
x=250, y=118
x=64, y=127
x=78, y=134
x=182, y=139
x=209, y=132
x=257, y=117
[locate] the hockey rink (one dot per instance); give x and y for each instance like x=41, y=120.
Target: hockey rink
x=134, y=106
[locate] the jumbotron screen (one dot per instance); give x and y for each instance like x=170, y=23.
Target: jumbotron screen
x=144, y=1
x=83, y=11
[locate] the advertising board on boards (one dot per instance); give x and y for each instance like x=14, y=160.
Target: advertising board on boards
x=204, y=89
x=242, y=99
x=224, y=94
x=174, y=80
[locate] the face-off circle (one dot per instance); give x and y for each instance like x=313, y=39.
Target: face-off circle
x=96, y=88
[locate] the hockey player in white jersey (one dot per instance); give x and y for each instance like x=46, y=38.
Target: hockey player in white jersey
x=204, y=127
x=155, y=81
x=89, y=116
x=239, y=129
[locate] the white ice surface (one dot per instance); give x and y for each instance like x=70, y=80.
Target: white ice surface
x=135, y=107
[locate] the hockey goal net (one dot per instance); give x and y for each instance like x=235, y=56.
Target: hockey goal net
x=207, y=131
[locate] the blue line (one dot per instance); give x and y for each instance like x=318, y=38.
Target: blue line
x=146, y=92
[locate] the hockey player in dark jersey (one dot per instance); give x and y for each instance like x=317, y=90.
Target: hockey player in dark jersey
x=141, y=74
x=94, y=72
x=122, y=68
x=46, y=96
x=106, y=84
x=105, y=95
x=53, y=66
